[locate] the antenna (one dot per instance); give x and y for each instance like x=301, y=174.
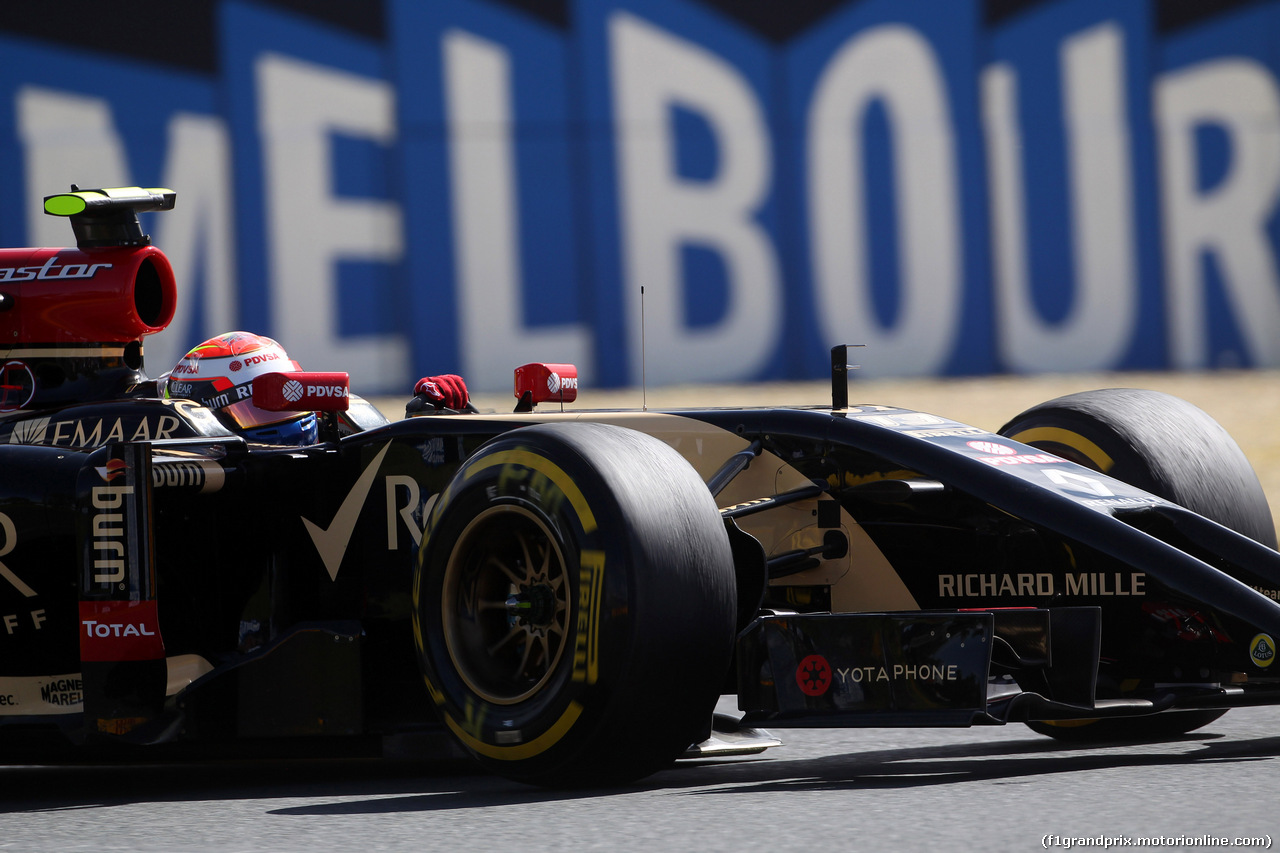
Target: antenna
x=840, y=368
x=644, y=385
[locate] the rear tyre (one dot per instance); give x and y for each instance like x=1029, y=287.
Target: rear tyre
x=574, y=605
x=1168, y=447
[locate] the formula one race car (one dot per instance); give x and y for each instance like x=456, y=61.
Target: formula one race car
x=568, y=593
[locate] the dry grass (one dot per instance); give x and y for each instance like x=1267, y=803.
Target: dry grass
x=1246, y=403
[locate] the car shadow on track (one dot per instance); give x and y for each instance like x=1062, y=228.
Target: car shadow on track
x=886, y=768
x=349, y=787
x=916, y=767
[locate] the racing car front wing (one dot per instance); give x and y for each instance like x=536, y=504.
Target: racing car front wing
x=964, y=668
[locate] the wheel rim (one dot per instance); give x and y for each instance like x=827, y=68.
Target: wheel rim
x=506, y=605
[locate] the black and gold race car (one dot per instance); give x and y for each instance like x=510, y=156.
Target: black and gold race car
x=566, y=594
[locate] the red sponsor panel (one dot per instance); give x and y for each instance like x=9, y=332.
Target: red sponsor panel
x=120, y=630
x=301, y=391
x=547, y=382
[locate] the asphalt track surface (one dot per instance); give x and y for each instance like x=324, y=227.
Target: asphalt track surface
x=989, y=789
x=1000, y=788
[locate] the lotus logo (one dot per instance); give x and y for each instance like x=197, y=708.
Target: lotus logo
x=1262, y=650
x=292, y=391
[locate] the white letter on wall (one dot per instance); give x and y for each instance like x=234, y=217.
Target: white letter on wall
x=309, y=228
x=1228, y=220
x=486, y=224
x=661, y=212
x=66, y=139
x=71, y=138
x=197, y=235
x=1100, y=323
x=895, y=64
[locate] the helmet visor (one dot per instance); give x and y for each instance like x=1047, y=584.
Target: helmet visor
x=246, y=415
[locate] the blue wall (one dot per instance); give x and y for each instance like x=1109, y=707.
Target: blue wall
x=1069, y=188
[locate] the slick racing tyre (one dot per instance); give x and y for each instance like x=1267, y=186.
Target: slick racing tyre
x=574, y=605
x=1166, y=446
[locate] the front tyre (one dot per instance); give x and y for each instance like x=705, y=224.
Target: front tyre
x=574, y=605
x=1166, y=446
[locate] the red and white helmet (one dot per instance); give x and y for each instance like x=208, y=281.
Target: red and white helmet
x=219, y=373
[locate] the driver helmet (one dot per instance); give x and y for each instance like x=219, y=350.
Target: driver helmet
x=219, y=373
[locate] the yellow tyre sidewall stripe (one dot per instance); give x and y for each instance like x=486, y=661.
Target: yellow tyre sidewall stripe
x=548, y=469
x=557, y=730
x=518, y=752
x=1101, y=460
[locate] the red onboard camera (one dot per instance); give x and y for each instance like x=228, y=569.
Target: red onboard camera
x=301, y=391
x=547, y=383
